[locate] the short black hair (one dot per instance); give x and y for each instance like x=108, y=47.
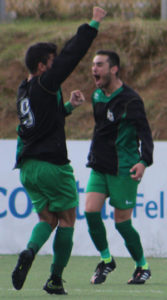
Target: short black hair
x=113, y=57
x=39, y=52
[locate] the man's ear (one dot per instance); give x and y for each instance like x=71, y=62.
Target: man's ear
x=41, y=67
x=114, y=70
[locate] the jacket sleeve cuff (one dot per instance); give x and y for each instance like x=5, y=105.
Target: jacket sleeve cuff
x=94, y=24
x=68, y=107
x=144, y=163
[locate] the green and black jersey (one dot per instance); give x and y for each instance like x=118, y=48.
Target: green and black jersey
x=40, y=105
x=122, y=136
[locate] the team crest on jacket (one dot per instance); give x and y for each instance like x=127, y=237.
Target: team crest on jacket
x=110, y=116
x=96, y=96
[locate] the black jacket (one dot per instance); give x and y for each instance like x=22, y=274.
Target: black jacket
x=122, y=136
x=40, y=104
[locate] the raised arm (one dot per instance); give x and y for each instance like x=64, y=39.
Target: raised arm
x=73, y=52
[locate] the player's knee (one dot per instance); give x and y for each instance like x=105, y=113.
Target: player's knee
x=50, y=219
x=67, y=218
x=67, y=222
x=54, y=223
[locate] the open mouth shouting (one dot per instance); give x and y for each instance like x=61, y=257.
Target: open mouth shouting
x=97, y=79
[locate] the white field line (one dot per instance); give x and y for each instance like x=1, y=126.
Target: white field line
x=151, y=291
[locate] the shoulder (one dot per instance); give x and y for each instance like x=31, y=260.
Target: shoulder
x=131, y=94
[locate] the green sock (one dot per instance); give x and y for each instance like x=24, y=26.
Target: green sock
x=40, y=234
x=62, y=247
x=142, y=263
x=97, y=230
x=106, y=256
x=145, y=267
x=131, y=238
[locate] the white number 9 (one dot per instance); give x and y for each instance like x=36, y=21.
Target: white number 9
x=26, y=114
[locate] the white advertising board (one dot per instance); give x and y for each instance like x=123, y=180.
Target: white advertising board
x=149, y=216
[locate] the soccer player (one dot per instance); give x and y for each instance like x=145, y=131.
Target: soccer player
x=121, y=149
x=45, y=171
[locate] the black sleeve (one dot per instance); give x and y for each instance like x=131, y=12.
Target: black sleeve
x=69, y=57
x=137, y=116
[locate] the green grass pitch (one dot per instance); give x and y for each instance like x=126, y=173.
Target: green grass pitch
x=77, y=276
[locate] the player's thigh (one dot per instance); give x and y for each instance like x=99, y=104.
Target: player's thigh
x=94, y=201
x=30, y=174
x=63, y=195
x=122, y=192
x=49, y=185
x=96, y=192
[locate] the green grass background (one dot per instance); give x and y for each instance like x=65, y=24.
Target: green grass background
x=77, y=276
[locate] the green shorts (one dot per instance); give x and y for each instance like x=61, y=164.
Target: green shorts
x=121, y=189
x=49, y=185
